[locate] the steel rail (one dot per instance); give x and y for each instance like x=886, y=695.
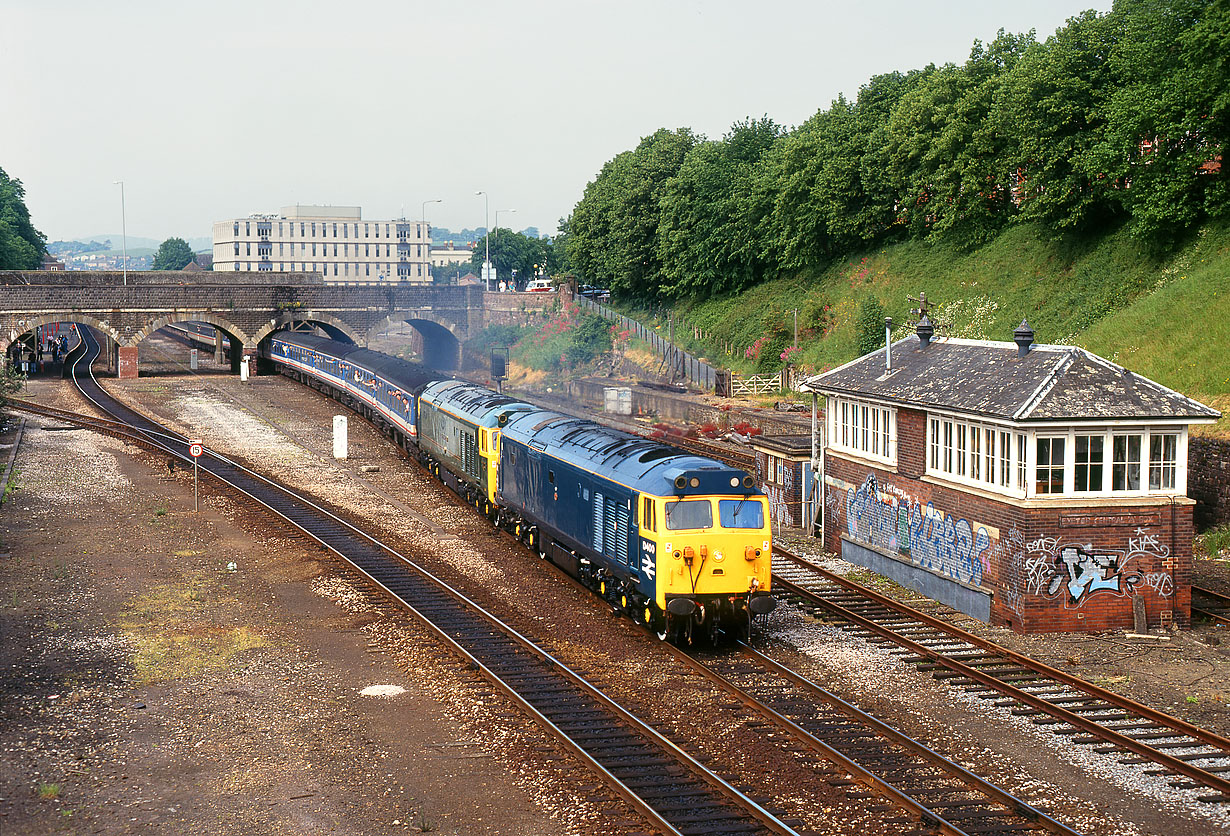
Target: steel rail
x=1221, y=613
x=1170, y=762
x=751, y=808
x=864, y=775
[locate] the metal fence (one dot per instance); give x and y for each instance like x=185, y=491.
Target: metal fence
x=679, y=364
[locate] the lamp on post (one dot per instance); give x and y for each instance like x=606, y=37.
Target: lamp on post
x=123, y=227
x=486, y=240
x=423, y=214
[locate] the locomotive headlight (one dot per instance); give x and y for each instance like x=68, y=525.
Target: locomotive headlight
x=734, y=481
x=694, y=482
x=718, y=556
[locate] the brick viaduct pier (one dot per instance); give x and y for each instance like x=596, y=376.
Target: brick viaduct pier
x=247, y=307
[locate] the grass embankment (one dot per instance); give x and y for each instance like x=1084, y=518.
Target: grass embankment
x=1165, y=318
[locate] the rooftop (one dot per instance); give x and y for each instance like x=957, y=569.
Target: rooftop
x=996, y=380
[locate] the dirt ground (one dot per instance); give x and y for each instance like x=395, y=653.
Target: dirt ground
x=181, y=671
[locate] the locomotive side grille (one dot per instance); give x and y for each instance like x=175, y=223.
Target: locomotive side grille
x=611, y=534
x=598, y=530
x=621, y=534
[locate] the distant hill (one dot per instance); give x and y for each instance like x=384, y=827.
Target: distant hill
x=136, y=241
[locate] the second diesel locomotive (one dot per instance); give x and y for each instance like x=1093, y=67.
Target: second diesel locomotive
x=678, y=542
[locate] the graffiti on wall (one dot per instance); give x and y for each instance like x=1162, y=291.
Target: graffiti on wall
x=1079, y=571
x=1043, y=566
x=890, y=519
x=779, y=508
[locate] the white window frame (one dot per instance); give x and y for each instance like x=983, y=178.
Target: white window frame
x=863, y=429
x=951, y=451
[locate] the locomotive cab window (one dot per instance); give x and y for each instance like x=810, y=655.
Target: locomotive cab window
x=689, y=513
x=741, y=513
x=648, y=520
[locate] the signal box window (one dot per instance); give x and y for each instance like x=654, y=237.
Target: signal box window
x=689, y=513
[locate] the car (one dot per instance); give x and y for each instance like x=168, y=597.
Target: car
x=539, y=286
x=598, y=294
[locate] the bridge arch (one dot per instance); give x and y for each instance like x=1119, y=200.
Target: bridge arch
x=335, y=328
x=441, y=345
x=220, y=323
x=28, y=325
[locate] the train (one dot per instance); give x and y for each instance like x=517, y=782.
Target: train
x=679, y=543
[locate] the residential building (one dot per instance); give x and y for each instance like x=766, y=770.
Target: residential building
x=1039, y=487
x=334, y=241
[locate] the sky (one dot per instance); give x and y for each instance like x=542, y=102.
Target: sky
x=218, y=110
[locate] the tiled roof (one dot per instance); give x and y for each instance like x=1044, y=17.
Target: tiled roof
x=1050, y=383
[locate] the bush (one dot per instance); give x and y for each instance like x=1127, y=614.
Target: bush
x=870, y=326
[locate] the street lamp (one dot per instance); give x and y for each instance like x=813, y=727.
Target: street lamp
x=423, y=214
x=497, y=225
x=123, y=227
x=486, y=240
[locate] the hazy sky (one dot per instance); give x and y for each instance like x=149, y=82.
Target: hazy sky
x=217, y=110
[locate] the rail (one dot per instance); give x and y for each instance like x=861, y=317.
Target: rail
x=979, y=661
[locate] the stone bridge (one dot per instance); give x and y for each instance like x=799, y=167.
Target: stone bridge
x=246, y=307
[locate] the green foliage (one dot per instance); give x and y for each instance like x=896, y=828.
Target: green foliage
x=588, y=340
x=613, y=240
x=1116, y=117
x=514, y=251
x=496, y=336
x=870, y=326
x=22, y=247
x=173, y=254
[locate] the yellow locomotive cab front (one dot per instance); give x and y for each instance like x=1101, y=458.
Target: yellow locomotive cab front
x=708, y=546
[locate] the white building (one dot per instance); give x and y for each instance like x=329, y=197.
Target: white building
x=334, y=241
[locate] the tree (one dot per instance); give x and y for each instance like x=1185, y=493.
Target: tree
x=513, y=251
x=870, y=326
x=613, y=235
x=22, y=247
x=174, y=254
x=1169, y=113
x=708, y=217
x=1052, y=110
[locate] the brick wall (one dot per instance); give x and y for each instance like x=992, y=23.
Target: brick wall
x=785, y=499
x=1046, y=566
x=1208, y=480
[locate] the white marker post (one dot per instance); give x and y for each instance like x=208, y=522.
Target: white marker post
x=195, y=448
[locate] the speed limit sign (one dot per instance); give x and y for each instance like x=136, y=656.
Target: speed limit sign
x=195, y=448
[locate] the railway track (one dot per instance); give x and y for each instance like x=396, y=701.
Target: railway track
x=1190, y=757
x=942, y=796
x=674, y=792
x=937, y=796
x=1210, y=605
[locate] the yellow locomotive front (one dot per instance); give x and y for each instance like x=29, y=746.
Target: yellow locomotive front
x=713, y=557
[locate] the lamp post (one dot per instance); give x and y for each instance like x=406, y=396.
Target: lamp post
x=123, y=227
x=497, y=228
x=423, y=214
x=486, y=240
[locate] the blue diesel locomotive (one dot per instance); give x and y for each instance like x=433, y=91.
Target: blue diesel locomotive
x=678, y=542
